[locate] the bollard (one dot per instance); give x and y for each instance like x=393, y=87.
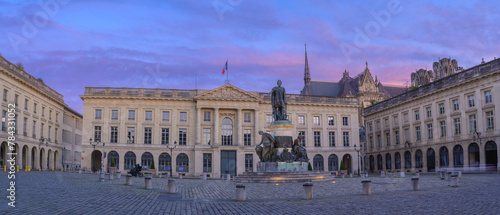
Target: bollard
x=101, y=177
x=342, y=175
x=415, y=182
x=129, y=180
x=228, y=177
x=382, y=174
x=438, y=173
x=366, y=175
x=180, y=176
x=402, y=174
x=366, y=187
x=442, y=174
x=350, y=175
x=417, y=174
x=460, y=174
x=308, y=190
x=110, y=175
x=118, y=174
x=147, y=183
x=454, y=181
x=204, y=176
x=79, y=171
x=241, y=194
x=448, y=176
x=171, y=186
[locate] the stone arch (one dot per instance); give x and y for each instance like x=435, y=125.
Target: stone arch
x=164, y=162
x=146, y=159
x=25, y=157
x=182, y=163
x=347, y=160
x=490, y=149
x=333, y=163
x=431, y=160
x=318, y=163
x=458, y=156
x=397, y=160
x=473, y=150
x=96, y=157
x=113, y=155
x=372, y=163
x=380, y=164
x=388, y=163
x=444, y=157
x=419, y=159
x=129, y=160
x=407, y=160
x=227, y=131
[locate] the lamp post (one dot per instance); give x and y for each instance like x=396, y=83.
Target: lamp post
x=171, y=155
x=357, y=150
x=42, y=141
x=94, y=144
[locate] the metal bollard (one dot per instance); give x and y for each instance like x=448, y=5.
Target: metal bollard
x=228, y=177
x=308, y=190
x=454, y=181
x=110, y=177
x=366, y=187
x=147, y=183
x=241, y=194
x=101, y=177
x=118, y=174
x=171, y=186
x=129, y=180
x=204, y=176
x=415, y=182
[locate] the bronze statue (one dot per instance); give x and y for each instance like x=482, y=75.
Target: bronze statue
x=266, y=152
x=286, y=156
x=278, y=101
x=298, y=151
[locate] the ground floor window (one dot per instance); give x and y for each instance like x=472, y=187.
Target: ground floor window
x=182, y=162
x=318, y=163
x=164, y=162
x=207, y=162
x=129, y=160
x=248, y=162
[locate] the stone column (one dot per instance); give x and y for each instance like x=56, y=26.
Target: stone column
x=482, y=157
x=239, y=128
x=216, y=127
x=256, y=127
x=424, y=160
x=197, y=130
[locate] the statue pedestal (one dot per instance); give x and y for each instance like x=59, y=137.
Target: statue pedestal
x=297, y=166
x=282, y=132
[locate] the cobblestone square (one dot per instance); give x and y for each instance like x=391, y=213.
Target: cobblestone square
x=73, y=193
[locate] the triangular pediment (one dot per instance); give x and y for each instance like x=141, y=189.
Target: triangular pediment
x=227, y=92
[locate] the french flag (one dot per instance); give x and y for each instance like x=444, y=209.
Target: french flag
x=224, y=68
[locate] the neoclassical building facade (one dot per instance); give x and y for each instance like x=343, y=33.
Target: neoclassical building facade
x=450, y=123
x=214, y=131
x=48, y=132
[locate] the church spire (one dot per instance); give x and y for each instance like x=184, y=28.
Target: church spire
x=307, y=75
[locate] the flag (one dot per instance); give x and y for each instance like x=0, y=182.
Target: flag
x=224, y=68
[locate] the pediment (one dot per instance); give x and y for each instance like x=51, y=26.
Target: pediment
x=228, y=92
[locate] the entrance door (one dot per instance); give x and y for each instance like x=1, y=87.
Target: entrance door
x=491, y=156
x=431, y=160
x=228, y=163
x=96, y=160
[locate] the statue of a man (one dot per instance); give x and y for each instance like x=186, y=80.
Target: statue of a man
x=266, y=151
x=278, y=101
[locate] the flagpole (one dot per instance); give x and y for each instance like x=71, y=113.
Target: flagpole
x=227, y=68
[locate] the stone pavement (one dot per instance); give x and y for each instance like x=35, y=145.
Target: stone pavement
x=73, y=193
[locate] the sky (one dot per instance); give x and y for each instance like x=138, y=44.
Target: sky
x=184, y=44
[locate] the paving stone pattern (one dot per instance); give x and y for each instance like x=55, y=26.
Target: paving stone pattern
x=73, y=193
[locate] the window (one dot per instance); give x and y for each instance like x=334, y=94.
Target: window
x=55, y=135
x=456, y=106
x=148, y=115
x=248, y=162
x=417, y=131
x=442, y=124
x=165, y=116
x=182, y=163
x=472, y=123
x=441, y=108
x=207, y=162
x=407, y=134
x=16, y=99
x=207, y=136
x=396, y=121
x=114, y=115
x=34, y=108
x=429, y=112
x=33, y=133
x=487, y=97
x=50, y=129
x=405, y=117
x=317, y=139
x=303, y=135
x=25, y=125
x=5, y=93
x=113, y=157
x=269, y=119
x=165, y=136
x=43, y=111
x=370, y=127
x=429, y=131
x=206, y=116
x=457, y=125
x=318, y=163
x=227, y=131
x=386, y=123
x=396, y=136
x=182, y=137
x=57, y=117
x=146, y=159
x=417, y=115
x=302, y=120
x=345, y=121
x=129, y=160
x=4, y=121
x=371, y=142
x=331, y=121
x=114, y=135
x=165, y=162
x=346, y=138
x=97, y=133
x=183, y=117
x=25, y=104
x=388, y=139
x=489, y=120
x=131, y=115
x=378, y=125
x=147, y=135
x=316, y=120
x=247, y=137
x=247, y=117
x=331, y=138
x=130, y=135
x=379, y=141
x=50, y=114
x=471, y=100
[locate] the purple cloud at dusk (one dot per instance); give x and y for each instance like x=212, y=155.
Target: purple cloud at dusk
x=73, y=44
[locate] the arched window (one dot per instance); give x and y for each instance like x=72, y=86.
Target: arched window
x=458, y=156
x=182, y=162
x=407, y=160
x=380, y=165
x=443, y=157
x=129, y=160
x=490, y=149
x=431, y=160
x=113, y=155
x=419, y=159
x=227, y=131
x=388, y=164
x=372, y=163
x=473, y=155
x=333, y=163
x=318, y=163
x=397, y=160
x=164, y=162
x=146, y=160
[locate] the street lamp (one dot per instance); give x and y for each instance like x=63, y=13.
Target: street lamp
x=42, y=141
x=171, y=155
x=357, y=150
x=478, y=134
x=94, y=144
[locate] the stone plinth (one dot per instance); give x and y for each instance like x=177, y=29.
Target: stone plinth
x=297, y=166
x=282, y=132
